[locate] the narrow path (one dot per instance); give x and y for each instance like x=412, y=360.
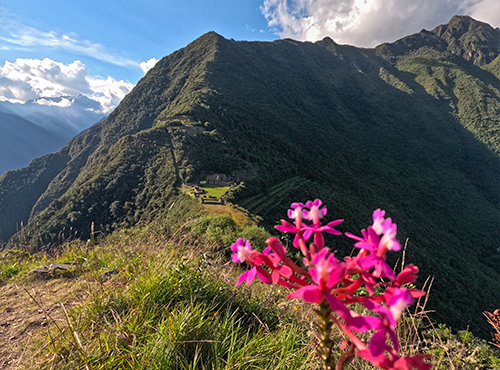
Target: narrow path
x=174, y=162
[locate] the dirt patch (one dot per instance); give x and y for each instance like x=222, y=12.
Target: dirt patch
x=32, y=309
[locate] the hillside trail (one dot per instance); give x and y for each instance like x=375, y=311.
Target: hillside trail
x=30, y=308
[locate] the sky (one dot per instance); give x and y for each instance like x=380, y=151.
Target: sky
x=101, y=49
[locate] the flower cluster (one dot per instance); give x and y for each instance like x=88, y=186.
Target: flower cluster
x=333, y=284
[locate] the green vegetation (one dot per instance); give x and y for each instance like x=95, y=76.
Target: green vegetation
x=209, y=190
x=459, y=350
x=161, y=307
x=410, y=127
x=214, y=190
x=162, y=296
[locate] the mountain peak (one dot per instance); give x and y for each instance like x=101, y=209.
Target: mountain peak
x=464, y=36
x=473, y=40
x=209, y=37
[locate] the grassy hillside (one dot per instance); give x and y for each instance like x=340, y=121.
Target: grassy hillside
x=163, y=296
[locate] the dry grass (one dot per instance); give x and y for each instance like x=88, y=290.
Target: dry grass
x=30, y=309
x=226, y=210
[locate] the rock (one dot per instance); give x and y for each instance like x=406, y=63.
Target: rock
x=54, y=270
x=106, y=275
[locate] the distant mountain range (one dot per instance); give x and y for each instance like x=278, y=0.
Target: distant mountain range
x=21, y=141
x=411, y=127
x=42, y=126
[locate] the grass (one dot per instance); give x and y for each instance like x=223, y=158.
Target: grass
x=166, y=308
x=209, y=190
x=214, y=190
x=161, y=297
x=238, y=216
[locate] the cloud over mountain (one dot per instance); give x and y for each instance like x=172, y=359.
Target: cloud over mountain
x=368, y=22
x=27, y=79
x=146, y=66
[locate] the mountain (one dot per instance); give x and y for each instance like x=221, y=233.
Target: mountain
x=42, y=126
x=410, y=127
x=471, y=40
x=22, y=140
x=65, y=115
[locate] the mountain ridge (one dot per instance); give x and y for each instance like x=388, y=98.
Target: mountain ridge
x=64, y=115
x=412, y=133
x=22, y=140
x=463, y=36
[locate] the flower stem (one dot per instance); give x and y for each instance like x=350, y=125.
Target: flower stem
x=325, y=344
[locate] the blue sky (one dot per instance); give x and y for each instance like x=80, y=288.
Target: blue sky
x=56, y=47
x=132, y=31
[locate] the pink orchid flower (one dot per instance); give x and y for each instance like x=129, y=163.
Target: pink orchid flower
x=314, y=212
x=326, y=273
x=386, y=324
x=325, y=278
x=243, y=250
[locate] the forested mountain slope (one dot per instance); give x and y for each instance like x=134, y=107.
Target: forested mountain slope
x=409, y=129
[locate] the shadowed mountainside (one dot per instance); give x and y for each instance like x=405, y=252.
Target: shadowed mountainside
x=22, y=140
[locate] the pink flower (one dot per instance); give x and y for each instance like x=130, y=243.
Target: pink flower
x=243, y=250
x=296, y=212
x=415, y=362
x=250, y=275
x=315, y=213
x=397, y=363
x=382, y=269
x=288, y=227
x=386, y=324
x=407, y=275
x=327, y=271
x=243, y=253
x=318, y=231
x=326, y=274
x=388, y=241
x=404, y=277
x=401, y=299
x=371, y=240
x=378, y=220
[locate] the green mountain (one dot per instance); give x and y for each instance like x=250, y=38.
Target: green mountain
x=410, y=127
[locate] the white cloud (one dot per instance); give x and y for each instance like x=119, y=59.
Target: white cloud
x=22, y=37
x=108, y=91
x=27, y=79
x=484, y=10
x=146, y=66
x=369, y=22
x=64, y=102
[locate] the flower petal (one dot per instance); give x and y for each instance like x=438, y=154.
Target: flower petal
x=378, y=343
x=251, y=276
x=308, y=293
x=242, y=278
